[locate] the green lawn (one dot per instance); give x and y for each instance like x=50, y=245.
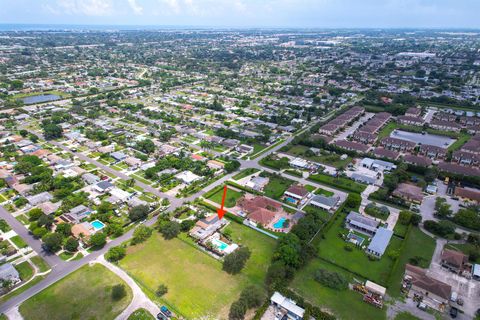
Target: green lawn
x=331, y=159
x=230, y=200
x=66, y=255
x=342, y=183
x=19, y=242
x=405, y=316
x=84, y=294
x=462, y=139
x=260, y=245
x=345, y=304
x=40, y=263
x=197, y=286
x=277, y=186
x=324, y=192
x=332, y=248
x=24, y=220
x=400, y=229
x=141, y=314
x=25, y=270
x=387, y=130
x=411, y=248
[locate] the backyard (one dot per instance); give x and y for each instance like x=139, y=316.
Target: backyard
x=333, y=249
x=84, y=294
x=260, y=245
x=411, y=253
x=334, y=301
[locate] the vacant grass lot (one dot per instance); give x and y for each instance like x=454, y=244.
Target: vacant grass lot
x=230, y=200
x=332, y=248
x=331, y=159
x=345, y=304
x=339, y=182
x=416, y=244
x=197, y=285
x=84, y=294
x=277, y=186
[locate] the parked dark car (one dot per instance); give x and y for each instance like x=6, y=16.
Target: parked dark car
x=453, y=312
x=161, y=316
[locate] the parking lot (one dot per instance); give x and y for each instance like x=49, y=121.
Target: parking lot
x=468, y=290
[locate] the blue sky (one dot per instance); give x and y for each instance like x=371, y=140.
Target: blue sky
x=247, y=13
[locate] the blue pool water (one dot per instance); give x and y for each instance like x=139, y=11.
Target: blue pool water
x=279, y=223
x=290, y=200
x=220, y=244
x=97, y=225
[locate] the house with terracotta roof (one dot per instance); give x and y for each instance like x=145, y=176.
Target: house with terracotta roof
x=259, y=209
x=262, y=216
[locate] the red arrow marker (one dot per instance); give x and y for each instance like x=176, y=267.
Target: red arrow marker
x=220, y=211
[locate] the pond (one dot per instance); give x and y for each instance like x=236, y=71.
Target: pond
x=40, y=98
x=423, y=138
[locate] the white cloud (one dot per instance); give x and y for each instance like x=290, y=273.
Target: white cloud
x=137, y=9
x=173, y=6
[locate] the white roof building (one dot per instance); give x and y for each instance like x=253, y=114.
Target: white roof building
x=120, y=194
x=187, y=177
x=293, y=311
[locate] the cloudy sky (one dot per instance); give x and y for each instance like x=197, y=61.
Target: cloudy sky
x=247, y=13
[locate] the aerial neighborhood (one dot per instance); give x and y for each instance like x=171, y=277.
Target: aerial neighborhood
x=239, y=174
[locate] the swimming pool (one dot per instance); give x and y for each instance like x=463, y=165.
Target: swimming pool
x=220, y=244
x=97, y=225
x=279, y=223
x=291, y=200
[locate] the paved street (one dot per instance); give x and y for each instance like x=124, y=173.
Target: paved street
x=61, y=269
x=52, y=259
